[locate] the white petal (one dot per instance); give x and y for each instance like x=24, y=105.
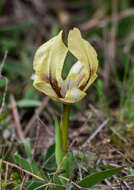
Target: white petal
x=74, y=95
x=76, y=78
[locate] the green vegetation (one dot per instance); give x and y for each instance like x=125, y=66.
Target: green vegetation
x=101, y=126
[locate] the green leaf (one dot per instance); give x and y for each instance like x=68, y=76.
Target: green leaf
x=67, y=165
x=36, y=169
x=13, y=70
x=49, y=161
x=27, y=147
x=31, y=185
x=56, y=179
x=97, y=177
x=56, y=187
x=9, y=44
x=125, y=27
x=58, y=150
x=1, y=5
x=15, y=29
x=2, y=82
x=31, y=167
x=34, y=184
x=24, y=103
x=3, y=115
x=55, y=30
x=24, y=163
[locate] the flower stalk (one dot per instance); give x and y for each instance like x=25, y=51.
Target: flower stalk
x=64, y=127
x=61, y=136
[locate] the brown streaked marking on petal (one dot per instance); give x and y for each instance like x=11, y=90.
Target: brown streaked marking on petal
x=82, y=86
x=90, y=74
x=55, y=86
x=45, y=78
x=53, y=83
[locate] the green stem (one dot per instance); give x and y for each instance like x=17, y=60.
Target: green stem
x=64, y=127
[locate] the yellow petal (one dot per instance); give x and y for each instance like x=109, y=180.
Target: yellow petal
x=41, y=62
x=92, y=57
x=83, y=50
x=58, y=53
x=77, y=48
x=73, y=95
x=91, y=80
x=45, y=88
x=49, y=59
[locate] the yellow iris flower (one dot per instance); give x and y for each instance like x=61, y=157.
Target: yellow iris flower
x=48, y=64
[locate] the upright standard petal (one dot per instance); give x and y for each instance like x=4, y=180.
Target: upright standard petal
x=41, y=62
x=57, y=55
x=77, y=47
x=83, y=50
x=49, y=59
x=48, y=63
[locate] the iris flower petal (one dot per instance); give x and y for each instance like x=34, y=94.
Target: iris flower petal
x=76, y=78
x=76, y=46
x=92, y=56
x=91, y=80
x=78, y=73
x=57, y=53
x=73, y=95
x=49, y=59
x=83, y=50
x=45, y=87
x=41, y=62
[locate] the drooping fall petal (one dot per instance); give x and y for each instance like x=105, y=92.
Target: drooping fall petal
x=45, y=87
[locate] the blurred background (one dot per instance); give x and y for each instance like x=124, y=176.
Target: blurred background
x=109, y=26
x=24, y=112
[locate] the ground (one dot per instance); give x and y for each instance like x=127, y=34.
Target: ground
x=101, y=134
